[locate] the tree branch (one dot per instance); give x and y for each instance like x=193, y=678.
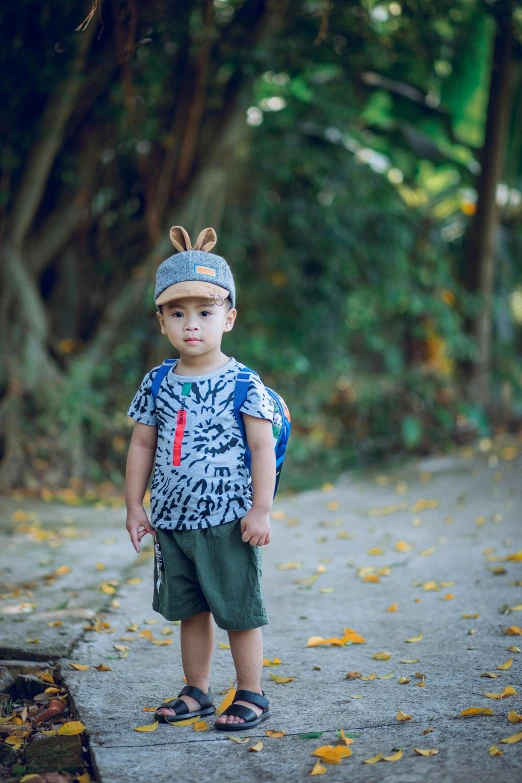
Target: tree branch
x=44, y=151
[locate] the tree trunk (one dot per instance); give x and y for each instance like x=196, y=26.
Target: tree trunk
x=481, y=249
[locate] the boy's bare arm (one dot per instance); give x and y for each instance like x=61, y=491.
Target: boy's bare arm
x=140, y=460
x=256, y=523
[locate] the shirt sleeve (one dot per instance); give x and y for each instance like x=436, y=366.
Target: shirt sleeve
x=142, y=407
x=258, y=403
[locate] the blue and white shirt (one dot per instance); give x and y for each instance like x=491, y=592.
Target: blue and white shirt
x=200, y=478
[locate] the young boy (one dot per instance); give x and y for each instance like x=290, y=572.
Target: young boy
x=209, y=515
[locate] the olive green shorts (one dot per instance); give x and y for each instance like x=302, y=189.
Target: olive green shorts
x=210, y=569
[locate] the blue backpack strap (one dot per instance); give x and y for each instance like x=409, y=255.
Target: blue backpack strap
x=158, y=378
x=240, y=395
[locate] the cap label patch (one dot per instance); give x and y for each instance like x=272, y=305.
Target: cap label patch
x=204, y=270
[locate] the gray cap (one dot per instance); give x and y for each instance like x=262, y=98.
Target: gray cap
x=194, y=272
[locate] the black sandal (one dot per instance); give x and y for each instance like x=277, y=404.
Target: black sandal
x=181, y=707
x=251, y=718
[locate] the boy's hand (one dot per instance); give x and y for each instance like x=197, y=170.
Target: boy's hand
x=136, y=519
x=255, y=527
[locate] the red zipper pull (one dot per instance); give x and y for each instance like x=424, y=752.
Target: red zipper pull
x=178, y=437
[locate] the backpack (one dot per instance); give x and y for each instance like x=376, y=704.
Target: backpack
x=281, y=425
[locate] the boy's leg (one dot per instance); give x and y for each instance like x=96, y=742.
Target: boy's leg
x=247, y=652
x=197, y=642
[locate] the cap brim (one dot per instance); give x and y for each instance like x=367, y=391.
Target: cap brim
x=191, y=288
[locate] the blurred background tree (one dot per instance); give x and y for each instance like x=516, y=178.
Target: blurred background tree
x=361, y=163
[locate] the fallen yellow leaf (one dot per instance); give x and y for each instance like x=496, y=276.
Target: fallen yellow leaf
x=257, y=747
x=375, y=551
x=352, y=636
x=80, y=666
x=514, y=717
x=508, y=691
x=223, y=646
x=514, y=738
x=268, y=662
x=332, y=754
x=275, y=734
x=318, y=769
x=369, y=677
x=409, y=660
x=428, y=752
x=495, y=751
x=514, y=630
x=471, y=616
x=382, y=656
x=415, y=638
x=239, y=740
x=348, y=740
x=227, y=701
x=162, y=642
x=403, y=716
x=187, y=722
x=147, y=727
x=394, y=757
x=393, y=607
x=278, y=678
x=289, y=566
x=200, y=725
x=71, y=728
x=373, y=759
x=472, y=711
x=63, y=570
x=430, y=586
x=403, y=546
x=506, y=665
x=103, y=668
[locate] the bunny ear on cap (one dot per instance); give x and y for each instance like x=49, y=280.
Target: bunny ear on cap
x=180, y=239
x=206, y=240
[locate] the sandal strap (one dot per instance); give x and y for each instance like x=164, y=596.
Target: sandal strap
x=253, y=697
x=179, y=705
x=241, y=711
x=205, y=699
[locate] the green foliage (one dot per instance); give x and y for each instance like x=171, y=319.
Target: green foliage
x=345, y=221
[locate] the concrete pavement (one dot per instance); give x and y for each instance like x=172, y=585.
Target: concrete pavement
x=454, y=514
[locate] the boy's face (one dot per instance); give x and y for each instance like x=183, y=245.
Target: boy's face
x=193, y=326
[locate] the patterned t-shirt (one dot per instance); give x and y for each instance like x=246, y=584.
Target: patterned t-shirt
x=200, y=478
